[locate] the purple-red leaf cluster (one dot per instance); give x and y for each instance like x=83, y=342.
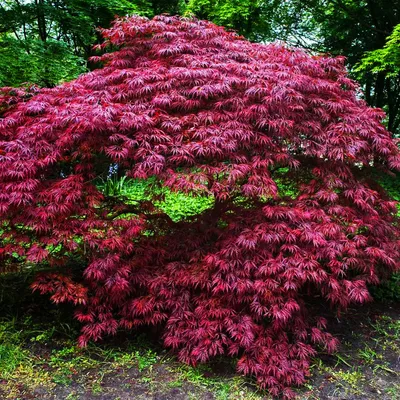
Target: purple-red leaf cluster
x=203, y=111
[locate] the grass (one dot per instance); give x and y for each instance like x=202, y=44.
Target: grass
x=369, y=355
x=38, y=354
x=349, y=380
x=394, y=392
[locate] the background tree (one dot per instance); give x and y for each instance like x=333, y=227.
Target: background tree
x=338, y=27
x=46, y=42
x=386, y=62
x=352, y=28
x=257, y=20
x=32, y=61
x=49, y=41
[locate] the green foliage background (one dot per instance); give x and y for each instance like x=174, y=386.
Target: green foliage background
x=178, y=206
x=53, y=62
x=47, y=42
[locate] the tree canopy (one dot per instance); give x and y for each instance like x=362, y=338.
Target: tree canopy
x=46, y=42
x=338, y=27
x=203, y=111
x=353, y=28
x=386, y=62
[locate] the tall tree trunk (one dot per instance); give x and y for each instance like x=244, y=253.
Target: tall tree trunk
x=41, y=20
x=379, y=91
x=368, y=87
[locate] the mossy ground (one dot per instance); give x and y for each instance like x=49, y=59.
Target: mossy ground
x=39, y=359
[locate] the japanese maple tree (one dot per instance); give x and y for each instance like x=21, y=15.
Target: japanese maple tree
x=203, y=111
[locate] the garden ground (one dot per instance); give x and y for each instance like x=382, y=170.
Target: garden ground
x=39, y=359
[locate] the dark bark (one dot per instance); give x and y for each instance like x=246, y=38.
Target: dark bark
x=41, y=20
x=379, y=97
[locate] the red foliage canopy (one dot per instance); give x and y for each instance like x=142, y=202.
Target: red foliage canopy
x=203, y=111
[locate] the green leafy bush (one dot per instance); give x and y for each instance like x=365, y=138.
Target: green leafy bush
x=389, y=290
x=177, y=205
x=46, y=64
